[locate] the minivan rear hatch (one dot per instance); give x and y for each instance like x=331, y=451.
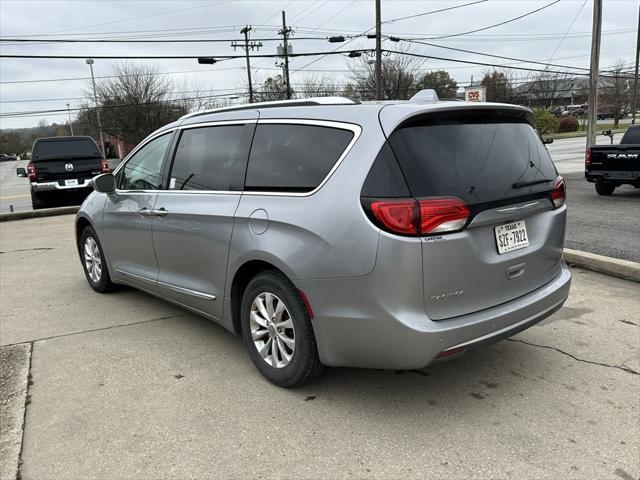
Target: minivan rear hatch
x=493, y=161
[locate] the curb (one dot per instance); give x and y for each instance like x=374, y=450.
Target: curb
x=599, y=263
x=44, y=212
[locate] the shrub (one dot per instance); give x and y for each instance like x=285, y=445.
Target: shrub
x=567, y=124
x=544, y=121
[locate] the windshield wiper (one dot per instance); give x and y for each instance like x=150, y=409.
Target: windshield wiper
x=529, y=183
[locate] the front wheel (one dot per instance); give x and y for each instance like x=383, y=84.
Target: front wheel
x=277, y=331
x=605, y=188
x=93, y=262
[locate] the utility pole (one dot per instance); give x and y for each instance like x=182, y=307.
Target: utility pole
x=634, y=99
x=70, y=123
x=285, y=34
x=247, y=46
x=89, y=61
x=593, y=73
x=378, y=52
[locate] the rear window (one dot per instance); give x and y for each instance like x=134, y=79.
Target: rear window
x=477, y=158
x=631, y=136
x=80, y=147
x=295, y=158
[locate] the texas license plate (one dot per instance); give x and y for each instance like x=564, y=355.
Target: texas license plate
x=71, y=183
x=512, y=236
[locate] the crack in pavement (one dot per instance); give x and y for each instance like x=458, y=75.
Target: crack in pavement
x=27, y=401
x=35, y=249
x=96, y=329
x=624, y=368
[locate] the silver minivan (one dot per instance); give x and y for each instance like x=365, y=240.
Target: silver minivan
x=333, y=233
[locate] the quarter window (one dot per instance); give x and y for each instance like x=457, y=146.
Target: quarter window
x=143, y=171
x=293, y=157
x=211, y=158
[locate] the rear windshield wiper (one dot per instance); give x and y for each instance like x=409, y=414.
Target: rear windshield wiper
x=528, y=183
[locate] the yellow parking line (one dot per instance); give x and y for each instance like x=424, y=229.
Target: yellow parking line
x=14, y=197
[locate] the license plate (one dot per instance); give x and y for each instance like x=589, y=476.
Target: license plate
x=512, y=236
x=71, y=183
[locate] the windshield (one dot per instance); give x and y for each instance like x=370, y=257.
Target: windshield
x=80, y=147
x=476, y=158
x=631, y=136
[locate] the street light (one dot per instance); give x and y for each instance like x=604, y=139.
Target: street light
x=89, y=61
x=70, y=124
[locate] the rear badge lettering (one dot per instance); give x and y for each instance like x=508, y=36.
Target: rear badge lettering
x=442, y=296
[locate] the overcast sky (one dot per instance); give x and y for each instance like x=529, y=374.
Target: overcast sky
x=536, y=37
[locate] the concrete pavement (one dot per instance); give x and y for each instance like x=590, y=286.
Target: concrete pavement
x=127, y=386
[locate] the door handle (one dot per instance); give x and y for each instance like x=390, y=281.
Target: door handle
x=159, y=212
x=144, y=212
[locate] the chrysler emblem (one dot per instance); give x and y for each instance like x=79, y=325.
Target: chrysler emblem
x=68, y=167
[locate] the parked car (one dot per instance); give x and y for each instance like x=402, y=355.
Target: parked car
x=8, y=158
x=609, y=166
x=333, y=233
x=61, y=167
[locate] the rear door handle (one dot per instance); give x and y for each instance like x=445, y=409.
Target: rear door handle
x=144, y=212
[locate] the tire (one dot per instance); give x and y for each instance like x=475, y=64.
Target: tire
x=38, y=201
x=100, y=280
x=303, y=365
x=605, y=188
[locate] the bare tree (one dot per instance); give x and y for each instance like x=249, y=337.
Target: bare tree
x=133, y=103
x=550, y=87
x=271, y=89
x=615, y=94
x=399, y=76
x=318, y=86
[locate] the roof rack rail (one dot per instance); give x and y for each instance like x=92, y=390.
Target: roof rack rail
x=301, y=102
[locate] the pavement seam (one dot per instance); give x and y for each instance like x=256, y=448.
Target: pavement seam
x=95, y=330
x=35, y=249
x=27, y=401
x=624, y=368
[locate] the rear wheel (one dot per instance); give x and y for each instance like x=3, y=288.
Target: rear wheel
x=277, y=331
x=93, y=262
x=605, y=188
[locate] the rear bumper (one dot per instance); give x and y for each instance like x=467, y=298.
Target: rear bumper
x=353, y=329
x=613, y=176
x=56, y=186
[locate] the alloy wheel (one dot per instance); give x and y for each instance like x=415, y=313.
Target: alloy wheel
x=92, y=259
x=272, y=330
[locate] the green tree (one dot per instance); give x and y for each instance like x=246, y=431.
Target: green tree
x=499, y=86
x=544, y=121
x=441, y=82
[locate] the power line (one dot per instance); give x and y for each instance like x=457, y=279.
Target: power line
x=190, y=40
x=432, y=11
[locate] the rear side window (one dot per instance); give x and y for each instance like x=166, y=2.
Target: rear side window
x=80, y=147
x=293, y=158
x=477, y=158
x=631, y=136
x=211, y=158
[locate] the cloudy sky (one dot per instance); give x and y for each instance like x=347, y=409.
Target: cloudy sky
x=557, y=34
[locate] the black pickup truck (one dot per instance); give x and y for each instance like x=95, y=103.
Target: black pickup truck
x=62, y=168
x=609, y=166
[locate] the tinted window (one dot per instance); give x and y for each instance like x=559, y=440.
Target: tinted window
x=385, y=178
x=477, y=159
x=211, y=158
x=80, y=147
x=293, y=157
x=631, y=136
x=143, y=171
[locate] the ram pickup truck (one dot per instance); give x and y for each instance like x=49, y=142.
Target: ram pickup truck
x=609, y=166
x=62, y=168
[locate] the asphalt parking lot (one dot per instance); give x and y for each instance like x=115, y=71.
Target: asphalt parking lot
x=124, y=385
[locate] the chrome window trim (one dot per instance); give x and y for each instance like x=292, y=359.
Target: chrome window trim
x=355, y=129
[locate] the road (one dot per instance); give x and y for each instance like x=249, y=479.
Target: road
x=127, y=386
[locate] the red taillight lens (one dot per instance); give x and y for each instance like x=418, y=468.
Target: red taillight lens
x=587, y=157
x=439, y=215
x=399, y=216
x=559, y=193
x=104, y=166
x=31, y=171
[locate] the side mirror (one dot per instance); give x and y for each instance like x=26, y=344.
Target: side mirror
x=105, y=183
x=547, y=141
x=21, y=172
x=606, y=132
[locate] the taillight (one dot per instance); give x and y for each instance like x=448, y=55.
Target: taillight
x=420, y=217
x=398, y=216
x=559, y=193
x=587, y=158
x=104, y=166
x=441, y=215
x=31, y=171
